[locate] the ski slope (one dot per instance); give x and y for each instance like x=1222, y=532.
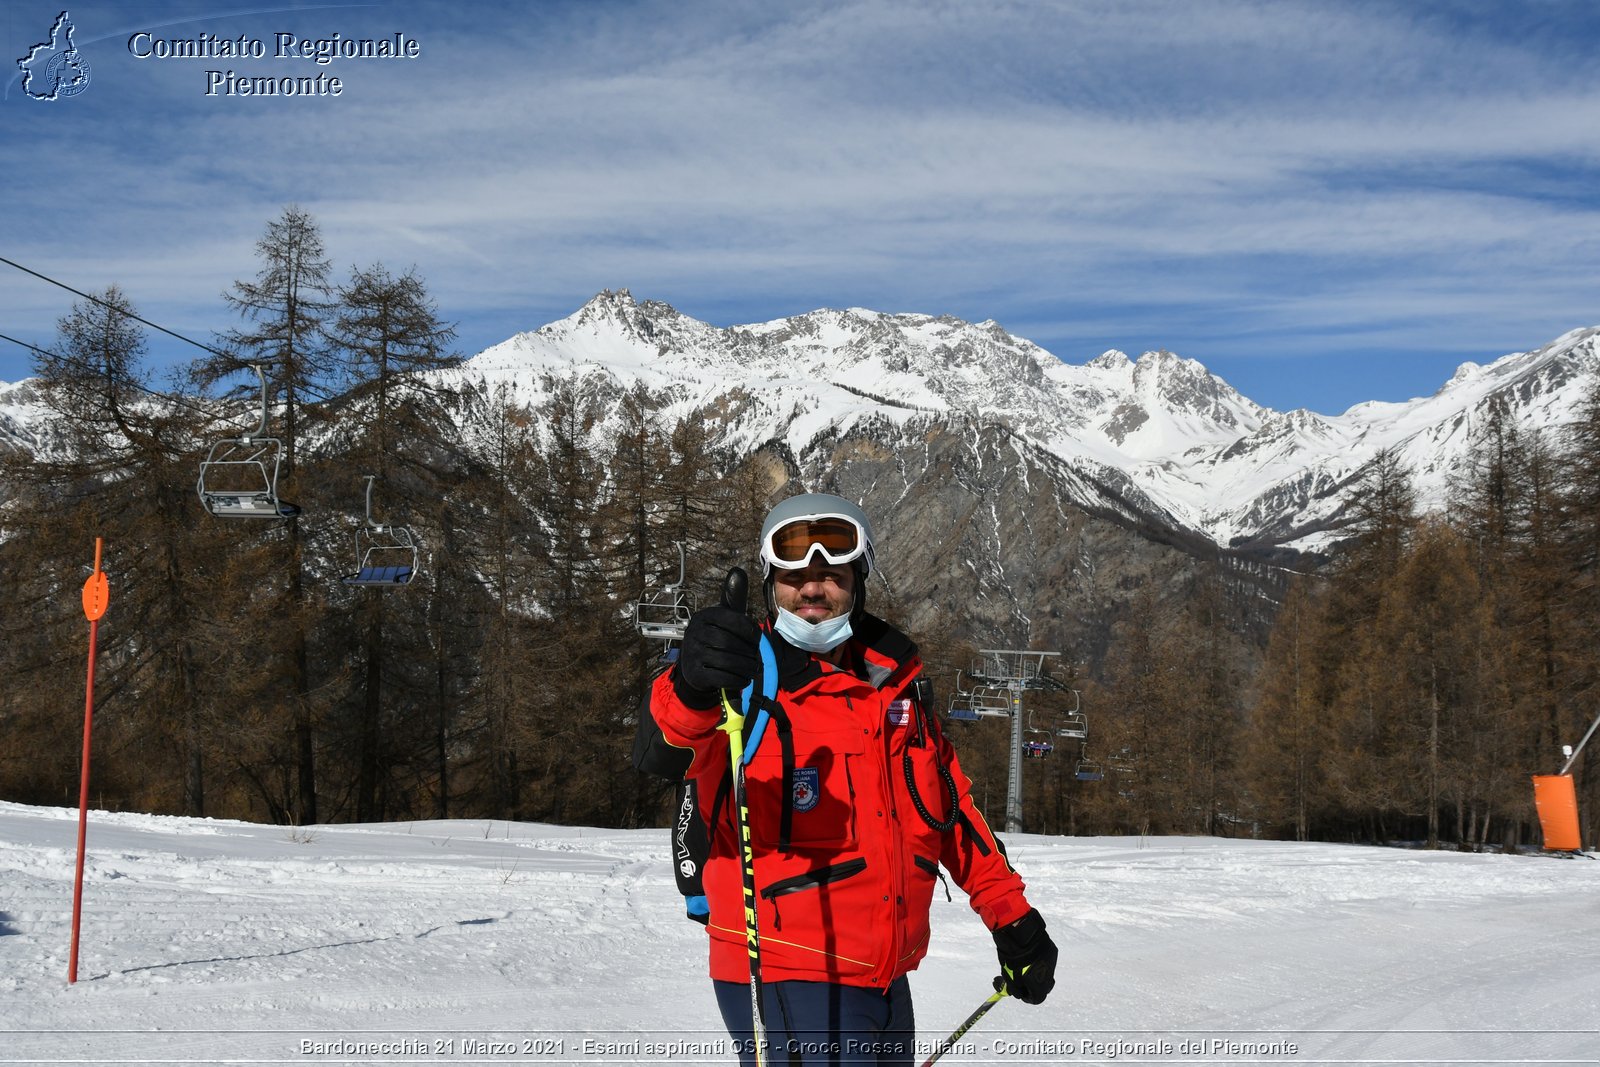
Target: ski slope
x=487, y=942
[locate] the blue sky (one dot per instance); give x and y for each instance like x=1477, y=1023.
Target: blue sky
x=1322, y=202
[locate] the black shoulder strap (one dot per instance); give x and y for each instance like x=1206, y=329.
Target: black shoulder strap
x=779, y=717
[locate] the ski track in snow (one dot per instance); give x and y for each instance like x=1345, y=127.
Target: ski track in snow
x=213, y=942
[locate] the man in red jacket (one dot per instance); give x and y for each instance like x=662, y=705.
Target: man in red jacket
x=853, y=806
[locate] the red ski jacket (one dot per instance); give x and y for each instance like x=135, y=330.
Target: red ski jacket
x=848, y=900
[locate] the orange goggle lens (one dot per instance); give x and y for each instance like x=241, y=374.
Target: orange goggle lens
x=839, y=539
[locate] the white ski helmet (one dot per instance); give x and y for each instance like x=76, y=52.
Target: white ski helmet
x=802, y=528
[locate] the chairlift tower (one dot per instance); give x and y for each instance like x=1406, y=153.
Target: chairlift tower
x=1015, y=671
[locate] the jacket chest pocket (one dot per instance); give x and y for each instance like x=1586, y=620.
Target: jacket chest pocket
x=819, y=792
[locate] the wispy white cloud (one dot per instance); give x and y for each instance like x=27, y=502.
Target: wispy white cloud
x=1254, y=174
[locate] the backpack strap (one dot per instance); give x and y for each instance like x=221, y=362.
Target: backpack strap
x=755, y=731
x=766, y=709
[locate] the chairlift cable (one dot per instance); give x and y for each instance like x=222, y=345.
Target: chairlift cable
x=115, y=379
x=315, y=394
x=113, y=307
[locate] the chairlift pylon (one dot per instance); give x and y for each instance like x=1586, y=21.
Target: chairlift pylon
x=239, y=476
x=386, y=556
x=662, y=615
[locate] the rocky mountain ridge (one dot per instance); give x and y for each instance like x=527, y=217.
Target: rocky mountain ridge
x=1163, y=437
x=1020, y=499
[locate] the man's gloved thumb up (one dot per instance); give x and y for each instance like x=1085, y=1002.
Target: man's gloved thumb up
x=721, y=648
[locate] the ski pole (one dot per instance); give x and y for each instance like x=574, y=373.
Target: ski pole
x=734, y=593
x=948, y=1043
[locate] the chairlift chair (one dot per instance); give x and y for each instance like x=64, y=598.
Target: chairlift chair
x=981, y=701
x=1073, y=724
x=991, y=700
x=1087, y=770
x=386, y=555
x=239, y=476
x=961, y=709
x=663, y=615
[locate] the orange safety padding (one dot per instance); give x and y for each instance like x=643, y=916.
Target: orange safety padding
x=1557, y=804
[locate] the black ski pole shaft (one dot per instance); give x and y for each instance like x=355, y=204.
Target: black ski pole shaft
x=948, y=1043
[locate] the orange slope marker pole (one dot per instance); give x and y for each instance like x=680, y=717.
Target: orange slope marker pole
x=96, y=595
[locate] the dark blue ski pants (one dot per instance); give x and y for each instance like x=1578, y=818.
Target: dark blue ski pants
x=819, y=1023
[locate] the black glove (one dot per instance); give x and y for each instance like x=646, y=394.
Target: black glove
x=1027, y=959
x=721, y=648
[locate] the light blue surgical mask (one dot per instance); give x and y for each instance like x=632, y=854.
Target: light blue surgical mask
x=824, y=636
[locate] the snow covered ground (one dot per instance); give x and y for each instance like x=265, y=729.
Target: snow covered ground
x=476, y=942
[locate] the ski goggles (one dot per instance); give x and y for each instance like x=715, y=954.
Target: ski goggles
x=837, y=538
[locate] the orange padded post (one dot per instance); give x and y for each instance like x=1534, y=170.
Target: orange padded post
x=1557, y=804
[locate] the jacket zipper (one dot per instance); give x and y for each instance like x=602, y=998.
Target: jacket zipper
x=897, y=872
x=810, y=880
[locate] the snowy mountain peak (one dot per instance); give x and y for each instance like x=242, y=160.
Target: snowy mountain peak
x=1163, y=429
x=1184, y=386
x=1298, y=419
x=619, y=308
x=1111, y=359
x=616, y=306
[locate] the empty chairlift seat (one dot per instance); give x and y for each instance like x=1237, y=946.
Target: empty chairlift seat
x=386, y=556
x=663, y=614
x=399, y=574
x=239, y=476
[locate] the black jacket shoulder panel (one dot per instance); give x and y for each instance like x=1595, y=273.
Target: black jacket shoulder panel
x=884, y=639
